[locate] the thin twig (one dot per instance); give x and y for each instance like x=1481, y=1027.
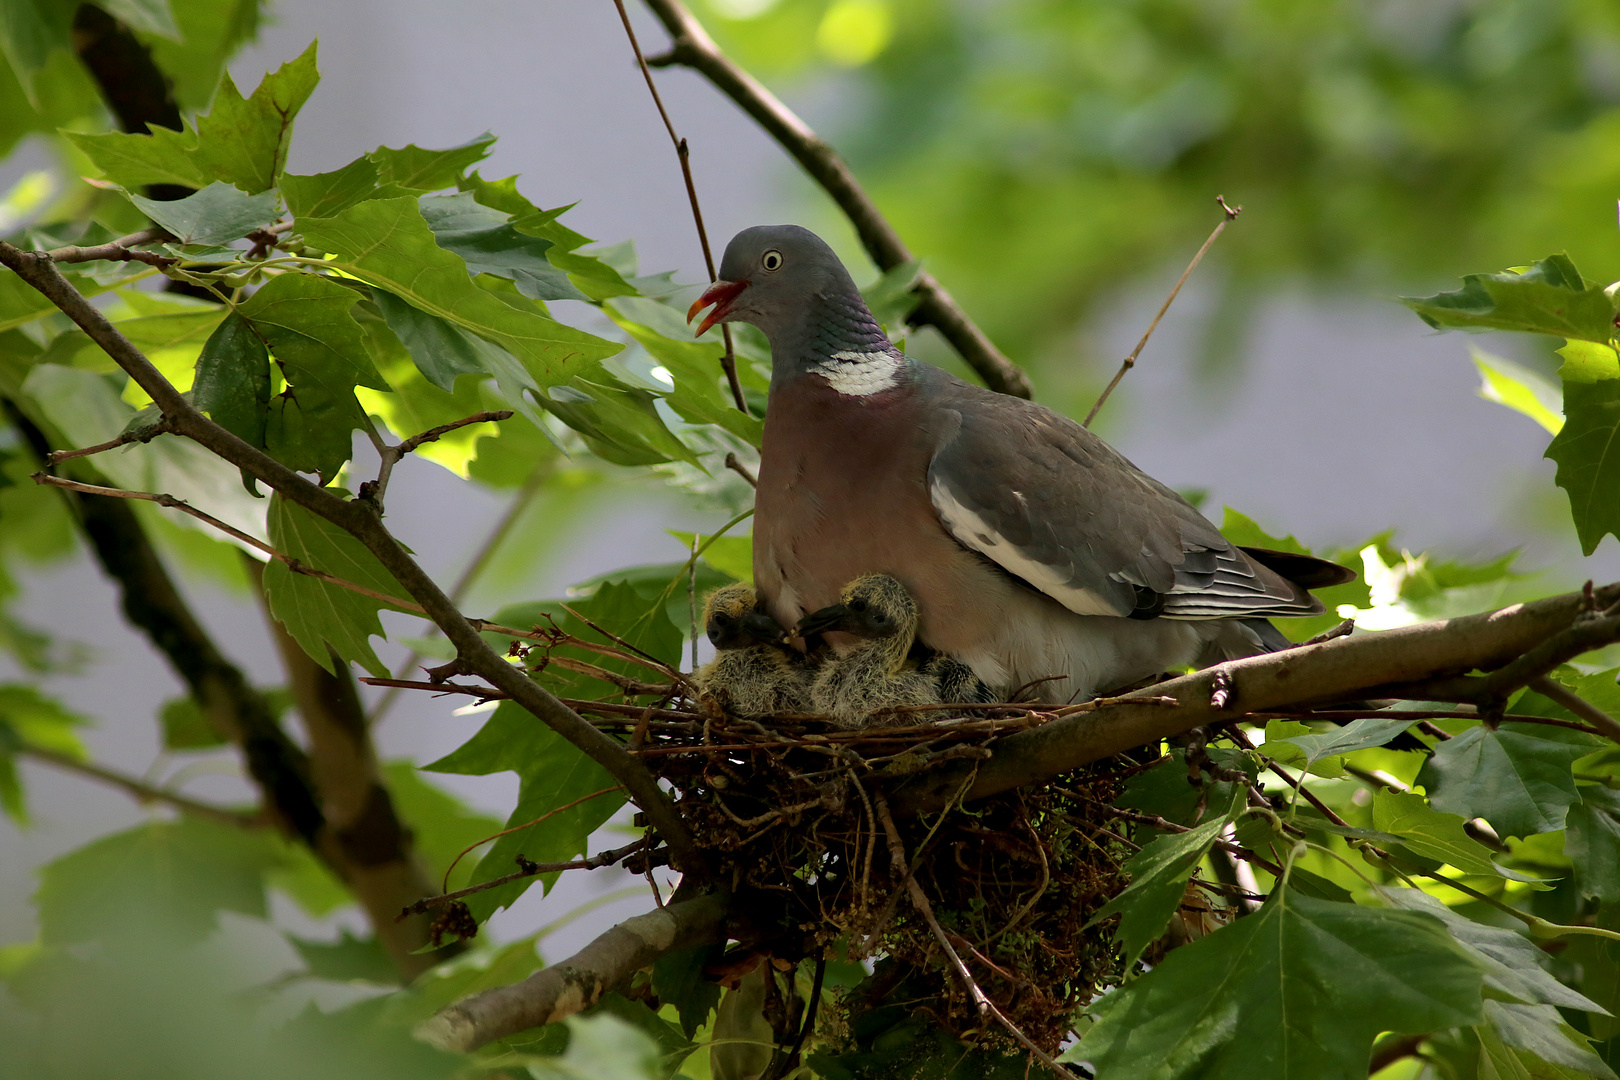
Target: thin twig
x=389, y=456
x=736, y=466
x=143, y=434
x=728, y=362
x=119, y=250
x=140, y=789
x=526, y=869
x=1231, y=213
x=691, y=46
x=519, y=828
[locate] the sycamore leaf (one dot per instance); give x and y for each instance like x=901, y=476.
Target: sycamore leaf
x=731, y=555
x=700, y=395
x=1540, y=1032
x=601, y=1047
x=443, y=351
x=620, y=423
x=1361, y=734
x=1518, y=777
x=21, y=303
x=348, y=959
x=1518, y=388
x=185, y=727
x=329, y=193
x=890, y=298
x=386, y=243
x=318, y=614
x=151, y=16
x=1159, y=874
x=416, y=169
x=30, y=31
x=1167, y=791
x=1547, y=298
x=677, y=977
x=28, y=718
x=217, y=214
x=1592, y=842
x=232, y=384
x=1428, y=833
x=178, y=873
x=442, y=825
x=1587, y=448
x=240, y=141
x=1295, y=991
x=487, y=242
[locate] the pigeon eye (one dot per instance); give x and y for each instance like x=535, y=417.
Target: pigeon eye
x=771, y=260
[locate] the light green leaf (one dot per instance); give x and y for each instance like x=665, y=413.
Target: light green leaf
x=1159, y=874
x=318, y=614
x=241, y=141
x=386, y=243
x=29, y=718
x=30, y=30
x=151, y=16
x=700, y=395
x=1517, y=777
x=1360, y=734
x=731, y=555
x=890, y=298
x=1547, y=298
x=416, y=169
x=1518, y=388
x=185, y=727
x=21, y=303
x=1429, y=833
x=601, y=1047
x=1540, y=1031
x=1295, y=991
x=217, y=214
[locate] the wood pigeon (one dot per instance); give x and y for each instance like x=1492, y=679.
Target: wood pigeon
x=877, y=673
x=752, y=673
x=1035, y=551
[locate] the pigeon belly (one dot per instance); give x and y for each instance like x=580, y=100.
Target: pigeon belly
x=843, y=492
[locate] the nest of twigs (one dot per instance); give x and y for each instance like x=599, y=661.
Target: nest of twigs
x=791, y=811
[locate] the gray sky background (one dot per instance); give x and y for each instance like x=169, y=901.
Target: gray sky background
x=1347, y=417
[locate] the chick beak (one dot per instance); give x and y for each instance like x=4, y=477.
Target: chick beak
x=722, y=294
x=818, y=622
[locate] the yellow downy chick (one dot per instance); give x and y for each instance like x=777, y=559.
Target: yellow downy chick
x=876, y=674
x=753, y=673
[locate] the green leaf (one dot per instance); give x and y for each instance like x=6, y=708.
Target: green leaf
x=487, y=242
x=1166, y=790
x=1159, y=874
x=442, y=825
x=210, y=33
x=673, y=1047
x=330, y=193
x=30, y=30
x=700, y=395
x=1296, y=991
x=241, y=141
x=317, y=614
x=21, y=303
x=1518, y=388
x=386, y=243
x=416, y=169
x=1592, y=843
x=1587, y=448
x=552, y=773
x=731, y=555
x=217, y=214
x=1512, y=964
x=443, y=351
x=348, y=959
x=1430, y=834
x=601, y=1047
x=620, y=423
x=232, y=384
x=178, y=874
x=28, y=718
x=150, y=16
x=890, y=298
x=677, y=979
x=1540, y=1031
x=1517, y=777
x=1547, y=298
x=1360, y=734
x=185, y=727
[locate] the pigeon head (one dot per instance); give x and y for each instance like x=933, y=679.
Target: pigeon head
x=872, y=607
x=731, y=621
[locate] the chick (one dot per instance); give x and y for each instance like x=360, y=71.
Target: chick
x=753, y=673
x=876, y=674
x=955, y=681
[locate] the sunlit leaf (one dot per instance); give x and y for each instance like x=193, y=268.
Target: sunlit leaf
x=1547, y=298
x=1518, y=388
x=1159, y=874
x=1429, y=833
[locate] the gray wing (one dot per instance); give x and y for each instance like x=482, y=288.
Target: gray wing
x=1056, y=506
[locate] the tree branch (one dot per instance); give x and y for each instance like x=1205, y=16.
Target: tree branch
x=361, y=520
x=1384, y=664
x=1557, y=692
x=120, y=250
x=577, y=983
x=692, y=47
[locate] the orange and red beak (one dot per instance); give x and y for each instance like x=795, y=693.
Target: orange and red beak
x=722, y=294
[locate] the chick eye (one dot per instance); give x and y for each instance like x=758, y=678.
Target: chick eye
x=721, y=619
x=857, y=605
x=771, y=260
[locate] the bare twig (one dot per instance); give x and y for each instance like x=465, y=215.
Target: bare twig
x=1344, y=629
x=519, y=828
x=361, y=520
x=741, y=470
x=1130, y=361
x=577, y=983
x=376, y=489
x=143, y=434
x=140, y=790
x=526, y=869
x=120, y=250
x=728, y=362
x=692, y=47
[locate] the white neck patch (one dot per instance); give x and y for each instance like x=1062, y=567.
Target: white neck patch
x=859, y=374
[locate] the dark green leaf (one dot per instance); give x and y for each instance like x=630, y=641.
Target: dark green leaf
x=217, y=214
x=487, y=242
x=673, y=1047
x=241, y=141
x=179, y=873
x=1587, y=448
x=1428, y=833
x=330, y=193
x=318, y=614
x=1547, y=298
x=620, y=423
x=677, y=979
x=232, y=384
x=1592, y=842
x=1517, y=777
x=601, y=1047
x=1159, y=874
x=416, y=169
x=348, y=959
x=1357, y=735
x=1166, y=791
x=1296, y=991
x=1540, y=1031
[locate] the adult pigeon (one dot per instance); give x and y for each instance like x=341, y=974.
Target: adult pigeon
x=1038, y=555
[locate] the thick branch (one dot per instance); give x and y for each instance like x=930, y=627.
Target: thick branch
x=361, y=520
x=692, y=47
x=578, y=982
x=1344, y=668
